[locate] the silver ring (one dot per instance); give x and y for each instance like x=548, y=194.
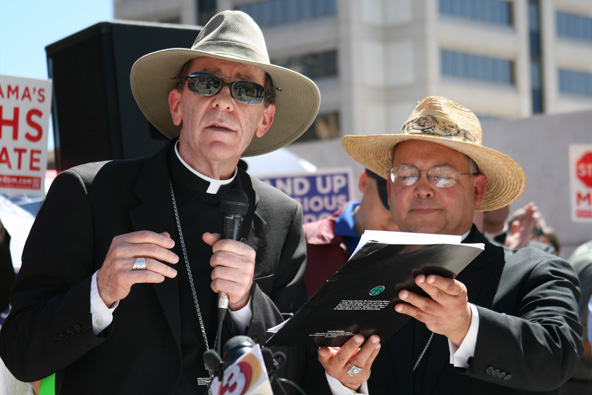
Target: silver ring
x=353, y=370
x=139, y=264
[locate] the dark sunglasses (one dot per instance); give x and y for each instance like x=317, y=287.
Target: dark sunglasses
x=207, y=84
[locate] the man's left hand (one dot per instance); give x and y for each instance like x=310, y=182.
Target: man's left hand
x=446, y=313
x=356, y=352
x=234, y=269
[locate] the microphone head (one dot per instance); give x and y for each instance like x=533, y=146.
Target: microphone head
x=234, y=203
x=279, y=359
x=236, y=347
x=212, y=360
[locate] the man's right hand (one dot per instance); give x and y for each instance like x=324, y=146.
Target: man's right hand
x=520, y=231
x=116, y=276
x=336, y=361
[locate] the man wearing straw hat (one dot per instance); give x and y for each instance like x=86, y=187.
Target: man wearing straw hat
x=121, y=273
x=508, y=323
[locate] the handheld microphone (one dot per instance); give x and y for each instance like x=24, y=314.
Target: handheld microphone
x=236, y=347
x=234, y=205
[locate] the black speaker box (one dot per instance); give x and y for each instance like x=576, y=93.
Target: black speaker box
x=94, y=114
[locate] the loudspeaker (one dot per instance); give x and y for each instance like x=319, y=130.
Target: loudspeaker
x=94, y=114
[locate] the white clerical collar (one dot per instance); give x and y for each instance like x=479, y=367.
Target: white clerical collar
x=214, y=184
x=465, y=235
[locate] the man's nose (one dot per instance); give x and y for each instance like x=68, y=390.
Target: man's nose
x=423, y=186
x=224, y=99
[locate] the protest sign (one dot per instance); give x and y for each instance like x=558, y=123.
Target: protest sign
x=580, y=168
x=24, y=122
x=320, y=193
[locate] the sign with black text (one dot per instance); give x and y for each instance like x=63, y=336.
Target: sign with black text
x=24, y=122
x=580, y=168
x=320, y=193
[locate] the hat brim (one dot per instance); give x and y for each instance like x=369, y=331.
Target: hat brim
x=297, y=102
x=505, y=178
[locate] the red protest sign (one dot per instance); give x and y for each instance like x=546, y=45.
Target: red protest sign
x=584, y=169
x=24, y=123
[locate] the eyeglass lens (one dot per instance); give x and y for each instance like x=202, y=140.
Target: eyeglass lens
x=439, y=176
x=207, y=84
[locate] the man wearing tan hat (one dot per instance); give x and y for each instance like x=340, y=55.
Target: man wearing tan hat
x=124, y=265
x=508, y=323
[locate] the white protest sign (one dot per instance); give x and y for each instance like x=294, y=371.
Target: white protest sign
x=24, y=122
x=580, y=169
x=320, y=193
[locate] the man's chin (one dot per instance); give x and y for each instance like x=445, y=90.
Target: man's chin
x=424, y=225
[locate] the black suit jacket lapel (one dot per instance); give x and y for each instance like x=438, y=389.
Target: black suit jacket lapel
x=155, y=213
x=482, y=276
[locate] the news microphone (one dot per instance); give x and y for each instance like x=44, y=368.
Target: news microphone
x=244, y=370
x=273, y=361
x=236, y=347
x=234, y=205
x=213, y=362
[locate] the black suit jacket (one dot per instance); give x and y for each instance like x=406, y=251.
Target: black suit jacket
x=529, y=337
x=6, y=270
x=49, y=328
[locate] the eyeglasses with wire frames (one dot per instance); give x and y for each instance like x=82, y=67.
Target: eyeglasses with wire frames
x=207, y=84
x=438, y=176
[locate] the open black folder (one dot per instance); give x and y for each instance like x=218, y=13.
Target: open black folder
x=360, y=297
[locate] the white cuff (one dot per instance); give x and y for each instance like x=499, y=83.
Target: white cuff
x=102, y=316
x=459, y=356
x=242, y=317
x=339, y=389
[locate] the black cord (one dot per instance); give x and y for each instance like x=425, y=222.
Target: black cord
x=289, y=382
x=221, y=315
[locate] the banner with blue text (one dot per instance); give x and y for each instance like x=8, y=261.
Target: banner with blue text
x=320, y=193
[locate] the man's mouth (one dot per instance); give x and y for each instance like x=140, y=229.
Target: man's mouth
x=220, y=127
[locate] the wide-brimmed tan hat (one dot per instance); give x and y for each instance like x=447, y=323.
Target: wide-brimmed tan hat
x=439, y=120
x=232, y=36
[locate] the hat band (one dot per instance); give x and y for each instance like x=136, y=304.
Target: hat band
x=430, y=125
x=232, y=50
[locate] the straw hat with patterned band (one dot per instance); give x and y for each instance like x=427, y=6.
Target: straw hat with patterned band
x=232, y=36
x=439, y=120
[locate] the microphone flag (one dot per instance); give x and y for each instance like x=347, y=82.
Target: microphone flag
x=246, y=376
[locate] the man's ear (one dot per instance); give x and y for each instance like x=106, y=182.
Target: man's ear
x=363, y=182
x=175, y=106
x=268, y=116
x=479, y=187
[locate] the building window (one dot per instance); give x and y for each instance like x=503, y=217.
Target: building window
x=456, y=64
x=536, y=78
x=206, y=9
x=575, y=82
x=325, y=126
x=498, y=12
x=574, y=26
x=314, y=66
x=279, y=12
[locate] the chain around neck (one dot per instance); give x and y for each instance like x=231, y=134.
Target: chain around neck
x=189, y=274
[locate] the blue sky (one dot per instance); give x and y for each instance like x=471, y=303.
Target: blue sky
x=28, y=26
